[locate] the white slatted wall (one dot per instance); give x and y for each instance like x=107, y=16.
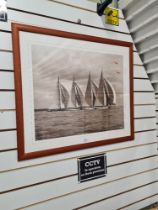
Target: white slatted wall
x=51, y=183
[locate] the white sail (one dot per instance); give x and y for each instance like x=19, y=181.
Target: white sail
x=106, y=92
x=76, y=95
x=91, y=92
x=94, y=93
x=102, y=94
x=112, y=93
x=63, y=96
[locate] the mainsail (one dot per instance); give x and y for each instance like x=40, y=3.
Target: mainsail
x=102, y=96
x=76, y=95
x=91, y=92
x=102, y=93
x=112, y=93
x=63, y=96
x=106, y=93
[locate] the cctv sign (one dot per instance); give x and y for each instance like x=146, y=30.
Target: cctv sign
x=90, y=168
x=3, y=10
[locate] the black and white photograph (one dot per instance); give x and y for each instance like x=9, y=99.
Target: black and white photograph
x=73, y=91
x=76, y=92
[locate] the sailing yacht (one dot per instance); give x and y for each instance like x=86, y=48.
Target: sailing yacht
x=112, y=93
x=91, y=92
x=63, y=96
x=95, y=97
x=106, y=93
x=76, y=95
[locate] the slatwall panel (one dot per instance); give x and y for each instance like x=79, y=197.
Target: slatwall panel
x=51, y=182
x=156, y=98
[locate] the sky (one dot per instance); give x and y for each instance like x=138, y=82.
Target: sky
x=49, y=63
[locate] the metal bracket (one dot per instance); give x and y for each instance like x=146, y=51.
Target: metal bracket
x=102, y=6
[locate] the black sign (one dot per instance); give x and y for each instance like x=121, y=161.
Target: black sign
x=92, y=167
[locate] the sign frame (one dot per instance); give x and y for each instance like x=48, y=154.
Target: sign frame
x=92, y=168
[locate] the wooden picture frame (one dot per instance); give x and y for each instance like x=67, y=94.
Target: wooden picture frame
x=73, y=91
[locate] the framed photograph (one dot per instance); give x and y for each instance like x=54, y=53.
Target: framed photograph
x=73, y=91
